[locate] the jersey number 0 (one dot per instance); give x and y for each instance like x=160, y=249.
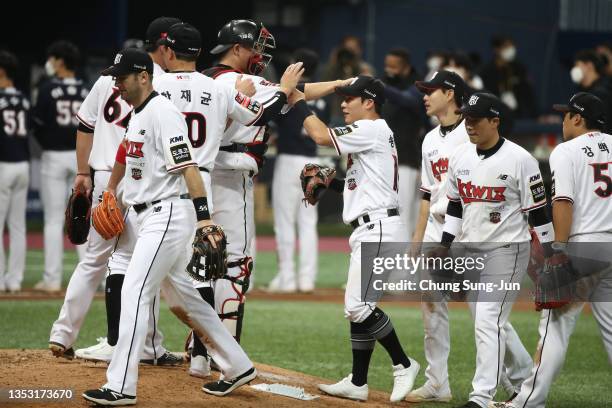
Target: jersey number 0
x=196, y=128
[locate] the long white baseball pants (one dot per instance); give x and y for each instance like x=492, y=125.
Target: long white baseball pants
x=289, y=212
x=160, y=252
x=14, y=181
x=58, y=169
x=409, y=196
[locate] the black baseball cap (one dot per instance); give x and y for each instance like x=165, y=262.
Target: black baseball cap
x=365, y=86
x=445, y=80
x=130, y=60
x=482, y=105
x=159, y=28
x=184, y=38
x=586, y=105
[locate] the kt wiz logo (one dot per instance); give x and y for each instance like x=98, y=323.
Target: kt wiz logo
x=134, y=149
x=439, y=167
x=472, y=193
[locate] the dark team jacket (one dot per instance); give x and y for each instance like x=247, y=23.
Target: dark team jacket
x=15, y=125
x=54, y=114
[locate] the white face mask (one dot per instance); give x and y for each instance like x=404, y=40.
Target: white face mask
x=49, y=68
x=434, y=63
x=457, y=70
x=508, y=54
x=577, y=74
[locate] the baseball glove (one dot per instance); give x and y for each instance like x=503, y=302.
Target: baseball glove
x=78, y=215
x=315, y=180
x=555, y=283
x=207, y=262
x=107, y=217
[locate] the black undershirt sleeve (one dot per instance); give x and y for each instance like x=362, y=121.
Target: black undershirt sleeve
x=337, y=185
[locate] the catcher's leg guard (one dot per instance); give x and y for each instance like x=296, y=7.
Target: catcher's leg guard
x=230, y=294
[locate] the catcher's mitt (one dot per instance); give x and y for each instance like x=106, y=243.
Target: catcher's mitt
x=78, y=214
x=315, y=180
x=555, y=284
x=208, y=263
x=107, y=217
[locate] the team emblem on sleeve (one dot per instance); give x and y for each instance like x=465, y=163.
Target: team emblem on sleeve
x=343, y=130
x=180, y=153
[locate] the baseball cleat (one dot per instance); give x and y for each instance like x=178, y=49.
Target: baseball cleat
x=223, y=387
x=168, y=359
x=403, y=380
x=346, y=389
x=502, y=404
x=104, y=396
x=199, y=366
x=43, y=286
x=427, y=393
x=59, y=350
x=99, y=352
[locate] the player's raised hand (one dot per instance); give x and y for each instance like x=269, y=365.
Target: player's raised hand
x=245, y=86
x=346, y=82
x=295, y=96
x=291, y=77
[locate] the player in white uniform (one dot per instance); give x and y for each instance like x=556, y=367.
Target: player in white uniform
x=492, y=185
x=370, y=194
x=104, y=115
x=158, y=168
x=243, y=45
x=208, y=105
x=443, y=96
x=581, y=213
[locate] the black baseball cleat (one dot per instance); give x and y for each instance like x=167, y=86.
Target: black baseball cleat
x=470, y=404
x=168, y=359
x=59, y=350
x=104, y=396
x=224, y=387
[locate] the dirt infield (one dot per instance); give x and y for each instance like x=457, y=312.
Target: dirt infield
x=158, y=387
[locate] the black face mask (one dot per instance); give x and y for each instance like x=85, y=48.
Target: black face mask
x=395, y=80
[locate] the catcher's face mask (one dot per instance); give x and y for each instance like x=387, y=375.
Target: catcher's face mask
x=260, y=59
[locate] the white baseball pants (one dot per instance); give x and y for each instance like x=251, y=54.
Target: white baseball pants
x=409, y=196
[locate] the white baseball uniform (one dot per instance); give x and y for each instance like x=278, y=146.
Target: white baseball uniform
x=157, y=150
x=105, y=114
x=581, y=175
x=497, y=189
x=14, y=180
x=370, y=189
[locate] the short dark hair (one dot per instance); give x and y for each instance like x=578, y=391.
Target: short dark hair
x=66, y=51
x=592, y=57
x=9, y=63
x=589, y=123
x=499, y=40
x=456, y=97
x=377, y=106
x=402, y=54
x=185, y=57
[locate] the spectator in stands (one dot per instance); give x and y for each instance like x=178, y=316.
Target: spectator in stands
x=588, y=74
x=435, y=60
x=461, y=64
x=507, y=78
x=605, y=51
x=403, y=114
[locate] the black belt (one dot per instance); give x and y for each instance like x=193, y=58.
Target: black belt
x=391, y=212
x=235, y=148
x=204, y=169
x=141, y=207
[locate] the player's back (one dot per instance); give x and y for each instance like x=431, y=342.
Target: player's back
x=14, y=119
x=582, y=174
x=57, y=102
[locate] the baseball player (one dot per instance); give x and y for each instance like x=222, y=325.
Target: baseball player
x=370, y=194
x=581, y=213
x=58, y=100
x=243, y=48
x=295, y=149
x=158, y=165
x=443, y=96
x=103, y=118
x=207, y=106
x=14, y=172
x=492, y=184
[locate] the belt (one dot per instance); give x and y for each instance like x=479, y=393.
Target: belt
x=141, y=207
x=364, y=219
x=235, y=148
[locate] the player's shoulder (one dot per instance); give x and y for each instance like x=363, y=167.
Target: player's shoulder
x=517, y=151
x=12, y=97
x=431, y=135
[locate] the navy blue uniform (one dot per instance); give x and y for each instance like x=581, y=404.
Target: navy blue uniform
x=55, y=119
x=292, y=139
x=14, y=126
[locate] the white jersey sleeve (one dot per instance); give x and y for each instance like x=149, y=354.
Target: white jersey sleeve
x=240, y=107
x=235, y=161
x=175, y=143
x=531, y=185
x=88, y=112
x=452, y=190
x=562, y=170
x=354, y=138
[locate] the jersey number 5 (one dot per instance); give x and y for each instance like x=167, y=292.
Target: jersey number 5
x=196, y=128
x=599, y=176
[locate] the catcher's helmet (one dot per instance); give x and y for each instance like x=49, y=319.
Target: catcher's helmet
x=250, y=34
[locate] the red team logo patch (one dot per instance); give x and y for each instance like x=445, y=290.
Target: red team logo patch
x=134, y=149
x=351, y=184
x=439, y=167
x=495, y=217
x=136, y=174
x=470, y=193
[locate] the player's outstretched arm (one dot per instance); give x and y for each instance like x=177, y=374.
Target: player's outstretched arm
x=82, y=181
x=315, y=128
x=316, y=90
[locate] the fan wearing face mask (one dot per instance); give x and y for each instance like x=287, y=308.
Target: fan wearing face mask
x=507, y=78
x=588, y=74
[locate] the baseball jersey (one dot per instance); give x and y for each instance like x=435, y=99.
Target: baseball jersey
x=372, y=176
x=14, y=126
x=57, y=102
x=497, y=190
x=157, y=148
x=206, y=105
x=582, y=174
x=105, y=114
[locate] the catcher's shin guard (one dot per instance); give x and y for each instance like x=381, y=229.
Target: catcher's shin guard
x=230, y=295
